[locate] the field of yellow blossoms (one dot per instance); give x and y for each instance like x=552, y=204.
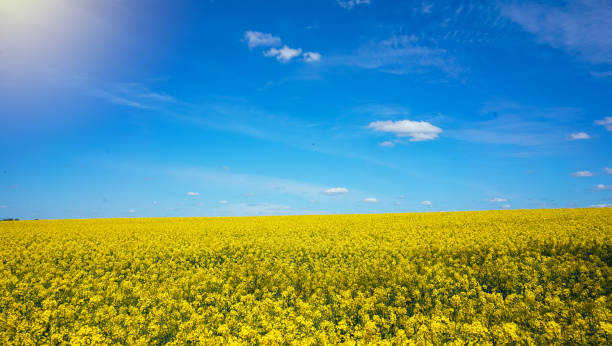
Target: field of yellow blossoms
x=494, y=277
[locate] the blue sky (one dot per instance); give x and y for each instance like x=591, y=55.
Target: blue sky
x=194, y=108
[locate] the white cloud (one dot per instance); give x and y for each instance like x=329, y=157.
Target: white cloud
x=256, y=39
x=506, y=206
x=370, y=200
x=387, y=144
x=497, y=200
x=603, y=187
x=223, y=202
x=582, y=28
x=579, y=135
x=582, y=174
x=607, y=122
x=417, y=130
x=284, y=54
x=602, y=205
x=312, y=56
x=336, y=191
x=193, y=193
x=608, y=170
x=349, y=4
x=426, y=203
x=131, y=211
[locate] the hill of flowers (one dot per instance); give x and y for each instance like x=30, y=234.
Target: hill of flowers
x=494, y=277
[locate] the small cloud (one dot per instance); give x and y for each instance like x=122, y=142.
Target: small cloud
x=336, y=191
x=131, y=211
x=426, y=8
x=284, y=54
x=579, y=135
x=387, y=144
x=426, y=203
x=497, y=200
x=608, y=170
x=223, y=202
x=312, y=57
x=417, y=130
x=193, y=193
x=349, y=4
x=249, y=194
x=607, y=122
x=582, y=174
x=256, y=39
x=603, y=187
x=397, y=203
x=155, y=202
x=3, y=206
x=602, y=205
x=370, y=200
x=506, y=206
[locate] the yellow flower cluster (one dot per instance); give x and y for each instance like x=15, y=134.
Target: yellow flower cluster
x=495, y=277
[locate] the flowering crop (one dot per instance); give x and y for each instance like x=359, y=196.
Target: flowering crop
x=495, y=277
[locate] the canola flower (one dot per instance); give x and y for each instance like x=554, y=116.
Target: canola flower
x=494, y=277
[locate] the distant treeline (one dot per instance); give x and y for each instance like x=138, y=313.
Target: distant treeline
x=14, y=219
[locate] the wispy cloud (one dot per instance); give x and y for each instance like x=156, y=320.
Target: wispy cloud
x=136, y=95
x=516, y=124
x=582, y=27
x=602, y=205
x=608, y=170
x=402, y=55
x=334, y=191
x=579, y=135
x=370, y=200
x=257, y=39
x=349, y=4
x=426, y=203
x=190, y=193
x=387, y=144
x=383, y=110
x=605, y=122
x=256, y=209
x=603, y=187
x=497, y=200
x=312, y=56
x=223, y=202
x=416, y=130
x=284, y=54
x=582, y=174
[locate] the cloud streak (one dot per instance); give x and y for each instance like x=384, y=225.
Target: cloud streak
x=582, y=174
x=417, y=130
x=334, y=191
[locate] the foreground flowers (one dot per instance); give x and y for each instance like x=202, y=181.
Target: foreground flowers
x=538, y=276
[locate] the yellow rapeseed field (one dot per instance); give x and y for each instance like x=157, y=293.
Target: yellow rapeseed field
x=494, y=277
